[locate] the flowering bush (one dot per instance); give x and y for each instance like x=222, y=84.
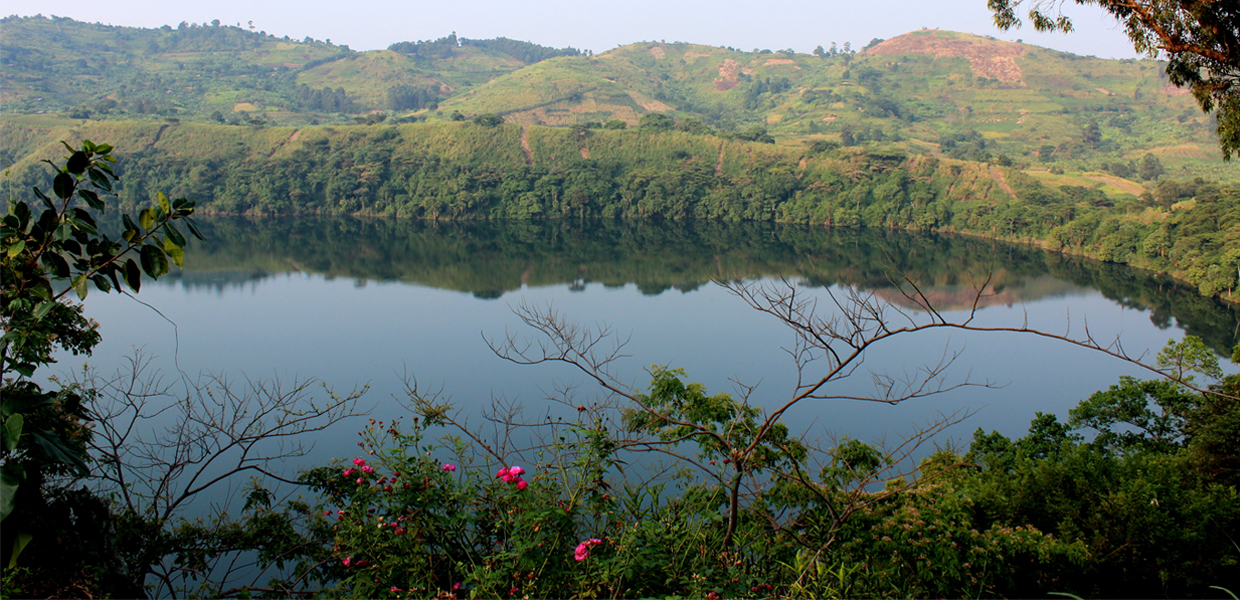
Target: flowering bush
x=415, y=526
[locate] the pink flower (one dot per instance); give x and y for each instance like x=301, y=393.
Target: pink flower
x=449, y=467
x=367, y=469
x=582, y=551
x=349, y=472
x=360, y=480
x=327, y=513
x=348, y=560
x=359, y=462
x=393, y=589
x=514, y=592
x=456, y=586
x=511, y=475
x=521, y=485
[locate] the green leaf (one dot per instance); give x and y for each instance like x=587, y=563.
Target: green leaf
x=47, y=201
x=133, y=277
x=92, y=199
x=100, y=179
x=56, y=449
x=78, y=163
x=102, y=283
x=64, y=185
x=103, y=149
x=154, y=262
x=43, y=308
x=129, y=224
x=19, y=544
x=17, y=248
x=11, y=476
x=146, y=218
x=174, y=252
x=12, y=432
x=163, y=203
x=57, y=263
x=174, y=234
x=193, y=228
x=79, y=285
x=14, y=403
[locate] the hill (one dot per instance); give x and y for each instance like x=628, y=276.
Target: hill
x=931, y=130
x=1062, y=118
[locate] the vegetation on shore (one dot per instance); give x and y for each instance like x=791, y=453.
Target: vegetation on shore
x=469, y=171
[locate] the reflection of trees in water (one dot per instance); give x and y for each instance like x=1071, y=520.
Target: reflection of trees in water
x=489, y=259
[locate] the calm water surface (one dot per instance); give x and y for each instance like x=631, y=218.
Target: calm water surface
x=353, y=302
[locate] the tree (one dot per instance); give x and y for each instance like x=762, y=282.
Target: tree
x=44, y=433
x=1150, y=168
x=1201, y=39
x=1092, y=134
x=656, y=122
x=489, y=120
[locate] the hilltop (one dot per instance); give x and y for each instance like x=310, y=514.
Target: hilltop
x=1064, y=118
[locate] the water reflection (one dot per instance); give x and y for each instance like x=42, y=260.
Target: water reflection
x=492, y=259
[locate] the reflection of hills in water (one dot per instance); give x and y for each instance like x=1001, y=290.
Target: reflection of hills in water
x=489, y=259
x=1002, y=291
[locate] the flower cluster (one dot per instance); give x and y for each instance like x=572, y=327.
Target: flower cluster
x=583, y=549
x=361, y=466
x=513, y=475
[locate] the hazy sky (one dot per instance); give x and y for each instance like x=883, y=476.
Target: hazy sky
x=742, y=24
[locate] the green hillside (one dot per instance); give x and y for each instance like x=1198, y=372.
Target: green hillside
x=480, y=170
x=931, y=130
x=1061, y=118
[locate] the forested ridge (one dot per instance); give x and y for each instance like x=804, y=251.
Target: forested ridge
x=479, y=170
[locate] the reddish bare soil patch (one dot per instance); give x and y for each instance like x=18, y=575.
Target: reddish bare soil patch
x=729, y=73
x=1172, y=90
x=525, y=147
x=657, y=52
x=987, y=58
x=779, y=61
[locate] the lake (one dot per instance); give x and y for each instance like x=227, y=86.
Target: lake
x=353, y=302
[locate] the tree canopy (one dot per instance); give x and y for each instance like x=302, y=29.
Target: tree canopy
x=1201, y=39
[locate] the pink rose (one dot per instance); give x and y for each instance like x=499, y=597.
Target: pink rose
x=359, y=462
x=449, y=467
x=367, y=469
x=521, y=485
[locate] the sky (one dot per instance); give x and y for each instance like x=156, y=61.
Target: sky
x=743, y=24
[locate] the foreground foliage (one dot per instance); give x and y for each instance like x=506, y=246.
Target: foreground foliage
x=1135, y=511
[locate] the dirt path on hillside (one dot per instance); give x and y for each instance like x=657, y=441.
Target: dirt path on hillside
x=719, y=161
x=997, y=175
x=525, y=147
x=291, y=138
x=159, y=134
